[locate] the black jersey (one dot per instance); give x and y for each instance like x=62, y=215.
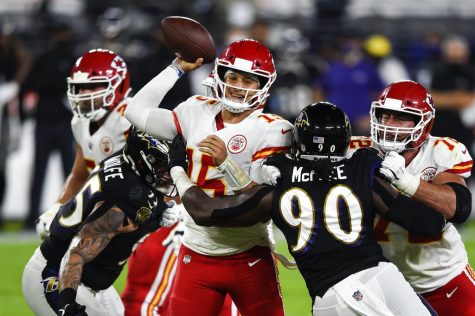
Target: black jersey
x=113, y=183
x=328, y=225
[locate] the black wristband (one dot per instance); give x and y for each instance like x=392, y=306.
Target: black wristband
x=67, y=296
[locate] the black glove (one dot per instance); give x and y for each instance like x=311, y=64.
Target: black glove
x=177, y=154
x=68, y=305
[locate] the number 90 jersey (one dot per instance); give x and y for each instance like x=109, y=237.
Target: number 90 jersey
x=248, y=142
x=328, y=225
x=427, y=263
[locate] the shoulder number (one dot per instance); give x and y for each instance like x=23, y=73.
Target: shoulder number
x=206, y=99
x=269, y=118
x=450, y=143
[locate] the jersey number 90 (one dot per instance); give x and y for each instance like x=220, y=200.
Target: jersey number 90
x=304, y=216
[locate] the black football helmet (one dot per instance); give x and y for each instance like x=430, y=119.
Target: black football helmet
x=322, y=130
x=148, y=157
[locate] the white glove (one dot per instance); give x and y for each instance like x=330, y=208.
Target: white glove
x=8, y=91
x=175, y=237
x=43, y=222
x=172, y=214
x=393, y=168
x=270, y=174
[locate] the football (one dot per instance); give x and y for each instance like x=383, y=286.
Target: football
x=188, y=39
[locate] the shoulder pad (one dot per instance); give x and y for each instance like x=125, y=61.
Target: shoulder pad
x=200, y=99
x=368, y=153
x=452, y=155
x=357, y=142
x=121, y=108
x=274, y=122
x=277, y=160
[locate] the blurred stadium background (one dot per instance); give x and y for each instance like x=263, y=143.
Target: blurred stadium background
x=340, y=50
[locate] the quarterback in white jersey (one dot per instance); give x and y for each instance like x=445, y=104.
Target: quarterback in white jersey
x=227, y=138
x=431, y=170
x=97, y=92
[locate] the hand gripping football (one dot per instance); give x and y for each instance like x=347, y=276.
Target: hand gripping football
x=188, y=39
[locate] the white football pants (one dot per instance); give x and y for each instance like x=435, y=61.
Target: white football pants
x=102, y=303
x=381, y=290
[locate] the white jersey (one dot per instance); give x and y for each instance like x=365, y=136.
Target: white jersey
x=248, y=142
x=109, y=137
x=427, y=263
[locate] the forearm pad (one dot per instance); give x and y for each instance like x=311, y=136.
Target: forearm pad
x=234, y=175
x=415, y=216
x=463, y=202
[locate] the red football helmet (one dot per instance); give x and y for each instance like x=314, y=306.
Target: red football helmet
x=408, y=97
x=98, y=68
x=247, y=56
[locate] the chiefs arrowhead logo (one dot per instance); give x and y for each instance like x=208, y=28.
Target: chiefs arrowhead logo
x=237, y=143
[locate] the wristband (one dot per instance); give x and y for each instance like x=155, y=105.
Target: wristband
x=181, y=179
x=408, y=184
x=234, y=174
x=176, y=66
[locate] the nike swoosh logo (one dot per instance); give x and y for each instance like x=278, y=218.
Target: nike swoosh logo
x=251, y=264
x=449, y=295
x=285, y=131
x=464, y=151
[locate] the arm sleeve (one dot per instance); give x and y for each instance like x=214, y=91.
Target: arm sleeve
x=143, y=112
x=402, y=210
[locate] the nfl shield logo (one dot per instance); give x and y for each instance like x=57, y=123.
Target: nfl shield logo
x=358, y=296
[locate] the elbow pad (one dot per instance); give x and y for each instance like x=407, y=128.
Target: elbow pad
x=463, y=202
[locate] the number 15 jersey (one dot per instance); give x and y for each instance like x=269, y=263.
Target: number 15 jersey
x=247, y=142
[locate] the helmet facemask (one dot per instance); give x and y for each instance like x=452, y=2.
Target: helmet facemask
x=394, y=138
x=91, y=105
x=157, y=175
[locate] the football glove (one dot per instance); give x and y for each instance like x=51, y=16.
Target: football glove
x=177, y=154
x=73, y=309
x=393, y=168
x=172, y=214
x=270, y=174
x=43, y=222
x=68, y=305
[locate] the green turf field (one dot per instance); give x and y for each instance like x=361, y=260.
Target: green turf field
x=16, y=252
